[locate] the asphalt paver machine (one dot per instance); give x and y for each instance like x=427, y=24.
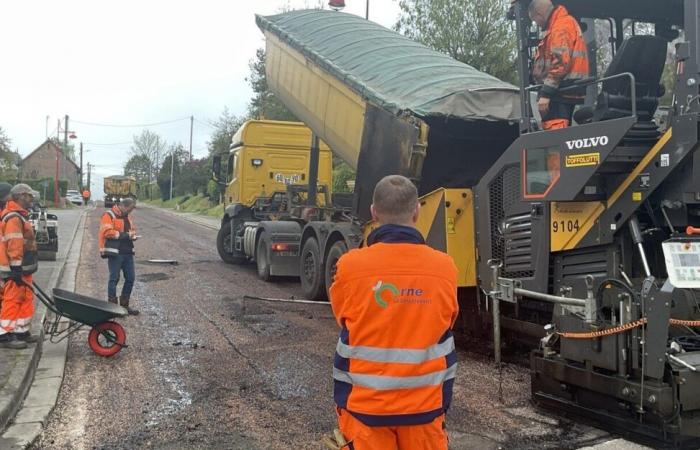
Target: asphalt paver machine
x=590, y=229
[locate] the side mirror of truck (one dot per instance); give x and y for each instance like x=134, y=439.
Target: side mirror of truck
x=216, y=168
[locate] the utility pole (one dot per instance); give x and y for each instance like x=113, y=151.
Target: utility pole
x=88, y=178
x=172, y=165
x=191, y=128
x=367, y=11
x=47, y=127
x=65, y=134
x=80, y=184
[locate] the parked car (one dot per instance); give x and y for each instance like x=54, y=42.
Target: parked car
x=74, y=197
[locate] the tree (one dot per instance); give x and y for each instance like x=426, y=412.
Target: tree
x=224, y=128
x=8, y=159
x=139, y=167
x=475, y=32
x=176, y=156
x=264, y=104
x=149, y=146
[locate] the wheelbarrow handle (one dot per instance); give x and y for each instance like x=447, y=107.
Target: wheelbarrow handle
x=43, y=296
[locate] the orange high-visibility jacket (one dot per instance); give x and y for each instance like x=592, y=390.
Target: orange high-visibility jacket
x=18, y=246
x=561, y=57
x=395, y=361
x=111, y=229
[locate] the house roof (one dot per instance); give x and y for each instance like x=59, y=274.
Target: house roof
x=55, y=147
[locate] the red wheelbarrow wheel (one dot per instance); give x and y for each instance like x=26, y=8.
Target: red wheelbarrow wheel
x=107, y=338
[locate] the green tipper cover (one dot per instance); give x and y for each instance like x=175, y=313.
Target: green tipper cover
x=392, y=71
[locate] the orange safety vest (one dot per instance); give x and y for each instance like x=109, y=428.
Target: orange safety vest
x=18, y=245
x=561, y=57
x=111, y=227
x=395, y=361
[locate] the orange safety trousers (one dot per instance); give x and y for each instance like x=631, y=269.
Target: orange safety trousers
x=17, y=307
x=429, y=436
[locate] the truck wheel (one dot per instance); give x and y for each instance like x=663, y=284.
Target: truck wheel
x=313, y=282
x=262, y=257
x=223, y=243
x=337, y=250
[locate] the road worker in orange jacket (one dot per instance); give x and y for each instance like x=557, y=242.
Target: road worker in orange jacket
x=18, y=261
x=561, y=59
x=4, y=197
x=116, y=240
x=396, y=302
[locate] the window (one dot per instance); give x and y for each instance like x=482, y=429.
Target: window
x=541, y=171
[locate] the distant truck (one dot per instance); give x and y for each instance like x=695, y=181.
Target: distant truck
x=117, y=187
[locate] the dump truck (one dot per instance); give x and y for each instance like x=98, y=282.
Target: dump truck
x=117, y=187
x=583, y=240
x=267, y=165
x=376, y=133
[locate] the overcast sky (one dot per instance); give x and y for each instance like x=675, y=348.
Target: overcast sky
x=131, y=62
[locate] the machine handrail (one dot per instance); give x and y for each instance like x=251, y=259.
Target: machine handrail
x=591, y=81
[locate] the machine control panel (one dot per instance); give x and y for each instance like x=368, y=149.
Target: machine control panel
x=682, y=257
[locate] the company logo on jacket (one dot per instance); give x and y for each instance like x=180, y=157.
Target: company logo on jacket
x=397, y=295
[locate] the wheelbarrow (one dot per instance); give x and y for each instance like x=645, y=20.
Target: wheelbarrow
x=106, y=337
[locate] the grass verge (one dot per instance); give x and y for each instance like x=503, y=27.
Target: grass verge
x=197, y=204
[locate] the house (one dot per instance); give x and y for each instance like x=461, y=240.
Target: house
x=41, y=163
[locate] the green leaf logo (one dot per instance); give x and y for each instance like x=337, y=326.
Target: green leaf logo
x=381, y=287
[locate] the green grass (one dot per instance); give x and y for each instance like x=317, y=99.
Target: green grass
x=197, y=204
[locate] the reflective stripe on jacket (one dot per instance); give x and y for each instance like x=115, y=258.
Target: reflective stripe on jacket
x=111, y=230
x=18, y=245
x=395, y=361
x=561, y=57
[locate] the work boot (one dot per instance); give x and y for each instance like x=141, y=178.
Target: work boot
x=27, y=337
x=9, y=340
x=113, y=300
x=124, y=301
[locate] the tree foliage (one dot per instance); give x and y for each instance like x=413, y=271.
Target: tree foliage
x=264, y=104
x=475, y=32
x=224, y=128
x=139, y=167
x=9, y=160
x=148, y=147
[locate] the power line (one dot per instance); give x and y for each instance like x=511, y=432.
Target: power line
x=112, y=143
x=205, y=124
x=130, y=125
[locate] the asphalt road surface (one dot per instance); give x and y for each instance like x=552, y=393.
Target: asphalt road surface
x=207, y=369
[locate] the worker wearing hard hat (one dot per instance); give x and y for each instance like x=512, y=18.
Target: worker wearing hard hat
x=561, y=59
x=18, y=261
x=396, y=302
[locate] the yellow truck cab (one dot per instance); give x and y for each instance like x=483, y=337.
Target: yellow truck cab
x=278, y=179
x=267, y=156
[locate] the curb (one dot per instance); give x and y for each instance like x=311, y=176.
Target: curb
x=29, y=420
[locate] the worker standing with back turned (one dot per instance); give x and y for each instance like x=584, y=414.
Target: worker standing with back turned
x=561, y=60
x=396, y=301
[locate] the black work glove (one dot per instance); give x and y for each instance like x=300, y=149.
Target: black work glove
x=16, y=275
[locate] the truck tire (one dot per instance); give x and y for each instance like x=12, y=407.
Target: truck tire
x=262, y=256
x=313, y=282
x=337, y=250
x=223, y=243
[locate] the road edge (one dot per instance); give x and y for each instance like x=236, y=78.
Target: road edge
x=30, y=406
x=197, y=219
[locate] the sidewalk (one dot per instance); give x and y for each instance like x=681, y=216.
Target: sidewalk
x=17, y=367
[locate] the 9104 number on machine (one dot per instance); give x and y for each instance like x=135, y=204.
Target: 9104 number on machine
x=565, y=226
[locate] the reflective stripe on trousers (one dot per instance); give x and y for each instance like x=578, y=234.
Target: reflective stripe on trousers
x=396, y=355
x=383, y=383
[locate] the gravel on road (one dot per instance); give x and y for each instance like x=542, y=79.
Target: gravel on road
x=207, y=369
